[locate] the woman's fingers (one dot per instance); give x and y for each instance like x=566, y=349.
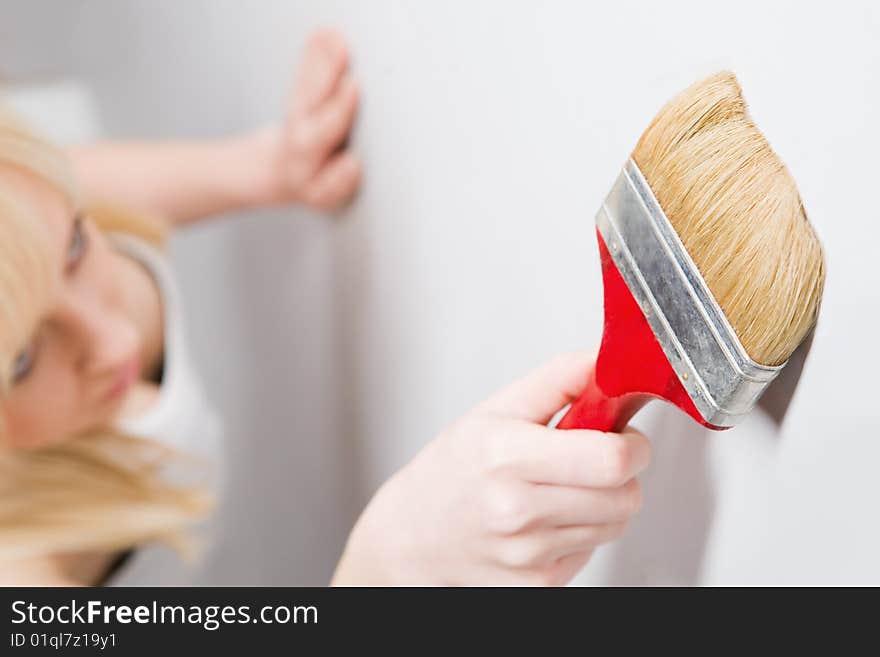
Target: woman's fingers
x=323, y=65
x=538, y=396
x=511, y=508
x=311, y=167
x=540, y=549
x=561, y=572
x=335, y=182
x=574, y=540
x=565, y=506
x=330, y=124
x=582, y=458
x=314, y=137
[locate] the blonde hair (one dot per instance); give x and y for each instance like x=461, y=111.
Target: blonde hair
x=738, y=212
x=98, y=492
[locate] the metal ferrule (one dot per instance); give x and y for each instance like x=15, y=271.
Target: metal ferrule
x=702, y=347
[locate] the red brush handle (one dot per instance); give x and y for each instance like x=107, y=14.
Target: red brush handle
x=595, y=409
x=631, y=367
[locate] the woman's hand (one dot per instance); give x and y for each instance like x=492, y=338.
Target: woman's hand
x=301, y=160
x=306, y=155
x=501, y=499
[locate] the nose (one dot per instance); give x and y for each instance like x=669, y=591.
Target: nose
x=105, y=338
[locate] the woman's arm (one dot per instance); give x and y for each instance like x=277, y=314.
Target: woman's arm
x=181, y=180
x=302, y=159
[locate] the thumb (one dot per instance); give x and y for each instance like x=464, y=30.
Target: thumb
x=538, y=396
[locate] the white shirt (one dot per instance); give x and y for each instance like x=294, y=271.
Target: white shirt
x=180, y=417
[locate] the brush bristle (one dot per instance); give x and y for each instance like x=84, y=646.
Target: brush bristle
x=737, y=210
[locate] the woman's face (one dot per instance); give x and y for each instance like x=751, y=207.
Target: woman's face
x=84, y=353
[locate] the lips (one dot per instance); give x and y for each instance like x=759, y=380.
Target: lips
x=125, y=376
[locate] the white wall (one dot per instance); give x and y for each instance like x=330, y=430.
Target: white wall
x=491, y=131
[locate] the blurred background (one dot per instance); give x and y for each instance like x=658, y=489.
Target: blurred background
x=490, y=131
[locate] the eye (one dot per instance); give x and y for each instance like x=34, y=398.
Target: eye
x=79, y=244
x=24, y=364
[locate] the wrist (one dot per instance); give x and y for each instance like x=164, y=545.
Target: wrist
x=361, y=563
x=252, y=160
x=375, y=553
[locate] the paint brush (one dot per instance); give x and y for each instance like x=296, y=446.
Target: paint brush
x=712, y=272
